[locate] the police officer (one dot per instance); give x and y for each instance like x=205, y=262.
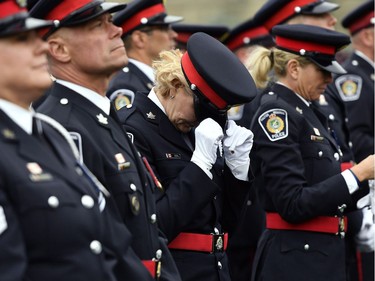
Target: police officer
x=146, y=32
x=185, y=30
x=296, y=161
x=198, y=191
x=355, y=90
x=85, y=50
x=53, y=221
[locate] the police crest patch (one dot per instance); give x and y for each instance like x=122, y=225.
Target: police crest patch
x=349, y=87
x=274, y=123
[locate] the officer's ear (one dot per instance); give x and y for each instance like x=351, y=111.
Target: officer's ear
x=58, y=48
x=292, y=67
x=139, y=39
x=367, y=36
x=176, y=84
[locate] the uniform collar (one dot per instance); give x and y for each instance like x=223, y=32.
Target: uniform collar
x=146, y=69
x=152, y=96
x=22, y=117
x=102, y=102
x=303, y=99
x=363, y=56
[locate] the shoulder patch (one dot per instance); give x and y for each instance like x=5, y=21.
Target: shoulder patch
x=78, y=141
x=274, y=123
x=349, y=87
x=130, y=136
x=122, y=97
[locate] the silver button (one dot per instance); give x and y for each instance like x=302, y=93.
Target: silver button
x=331, y=117
x=153, y=218
x=193, y=87
x=125, y=69
x=133, y=187
x=158, y=254
x=53, y=202
x=271, y=93
x=320, y=153
x=129, y=105
x=249, y=203
x=337, y=156
x=302, y=52
x=64, y=101
x=79, y=171
x=96, y=247
x=219, y=265
x=350, y=144
x=216, y=231
x=56, y=23
x=306, y=247
x=246, y=40
x=354, y=62
x=297, y=9
x=144, y=20
x=87, y=201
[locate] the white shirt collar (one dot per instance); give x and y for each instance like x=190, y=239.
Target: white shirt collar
x=152, y=96
x=366, y=58
x=102, y=102
x=146, y=69
x=21, y=116
x=303, y=99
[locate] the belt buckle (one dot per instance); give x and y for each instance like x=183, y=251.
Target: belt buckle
x=217, y=243
x=341, y=227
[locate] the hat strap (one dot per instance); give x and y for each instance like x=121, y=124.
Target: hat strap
x=297, y=46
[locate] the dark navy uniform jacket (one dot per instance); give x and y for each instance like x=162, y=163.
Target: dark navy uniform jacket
x=297, y=168
x=356, y=89
x=126, y=83
x=50, y=225
x=191, y=201
x=109, y=154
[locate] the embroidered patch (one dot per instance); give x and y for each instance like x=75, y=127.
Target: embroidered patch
x=235, y=112
x=274, y=123
x=3, y=220
x=122, y=97
x=349, y=87
x=78, y=141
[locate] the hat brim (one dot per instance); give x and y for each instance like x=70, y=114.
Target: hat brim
x=162, y=19
x=321, y=8
x=23, y=23
x=33, y=23
x=333, y=67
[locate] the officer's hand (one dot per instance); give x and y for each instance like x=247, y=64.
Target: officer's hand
x=365, y=238
x=365, y=169
x=237, y=145
x=208, y=136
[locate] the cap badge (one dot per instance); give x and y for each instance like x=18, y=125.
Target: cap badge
x=151, y=115
x=274, y=123
x=102, y=119
x=21, y=3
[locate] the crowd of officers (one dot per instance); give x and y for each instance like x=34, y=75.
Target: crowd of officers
x=136, y=147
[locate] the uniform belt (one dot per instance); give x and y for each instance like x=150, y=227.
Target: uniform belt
x=154, y=267
x=210, y=243
x=335, y=225
x=346, y=165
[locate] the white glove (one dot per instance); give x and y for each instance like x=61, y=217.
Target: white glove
x=237, y=145
x=208, y=136
x=365, y=238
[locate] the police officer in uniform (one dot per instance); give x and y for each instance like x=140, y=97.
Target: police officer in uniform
x=84, y=51
x=146, y=32
x=53, y=223
x=198, y=191
x=296, y=161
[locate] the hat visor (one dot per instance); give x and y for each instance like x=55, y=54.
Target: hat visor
x=172, y=19
x=33, y=23
x=333, y=67
x=321, y=8
x=111, y=7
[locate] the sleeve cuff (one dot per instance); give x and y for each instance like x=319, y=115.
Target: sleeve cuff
x=350, y=180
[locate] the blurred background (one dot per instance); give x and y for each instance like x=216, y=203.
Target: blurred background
x=233, y=12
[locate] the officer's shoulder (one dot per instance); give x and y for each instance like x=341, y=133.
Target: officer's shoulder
x=126, y=112
x=58, y=108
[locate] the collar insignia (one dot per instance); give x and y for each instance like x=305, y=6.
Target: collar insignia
x=102, y=119
x=151, y=115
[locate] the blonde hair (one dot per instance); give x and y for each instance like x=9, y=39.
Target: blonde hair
x=262, y=61
x=168, y=71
